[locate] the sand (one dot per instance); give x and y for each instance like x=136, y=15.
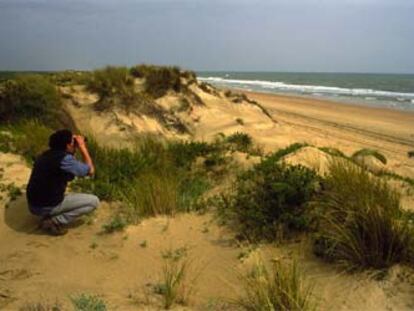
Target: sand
x=346, y=127
x=38, y=268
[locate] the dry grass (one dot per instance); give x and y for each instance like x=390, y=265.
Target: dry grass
x=280, y=287
x=175, y=285
x=362, y=224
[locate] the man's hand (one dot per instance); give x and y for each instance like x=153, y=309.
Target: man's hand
x=80, y=140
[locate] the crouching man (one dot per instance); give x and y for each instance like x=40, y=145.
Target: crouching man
x=52, y=170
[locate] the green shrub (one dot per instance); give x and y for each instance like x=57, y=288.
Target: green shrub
x=28, y=138
x=115, y=86
x=370, y=152
x=28, y=97
x=241, y=141
x=117, y=223
x=158, y=79
x=183, y=154
x=85, y=302
x=269, y=200
x=362, y=224
x=281, y=287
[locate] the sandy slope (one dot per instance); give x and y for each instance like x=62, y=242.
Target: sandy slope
x=346, y=127
x=35, y=267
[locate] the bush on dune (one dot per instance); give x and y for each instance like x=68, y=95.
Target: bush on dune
x=31, y=97
x=270, y=200
x=362, y=223
x=114, y=85
x=241, y=141
x=158, y=79
x=28, y=138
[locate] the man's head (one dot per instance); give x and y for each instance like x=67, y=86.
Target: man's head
x=62, y=140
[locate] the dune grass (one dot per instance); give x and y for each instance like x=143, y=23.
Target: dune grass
x=362, y=224
x=158, y=79
x=175, y=284
x=28, y=138
x=280, y=287
x=32, y=96
x=370, y=152
x=240, y=141
x=152, y=178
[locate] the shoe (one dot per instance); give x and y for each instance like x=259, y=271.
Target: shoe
x=52, y=227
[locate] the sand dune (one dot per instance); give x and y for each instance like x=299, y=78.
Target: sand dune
x=36, y=268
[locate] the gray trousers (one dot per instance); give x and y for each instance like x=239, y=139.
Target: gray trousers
x=73, y=206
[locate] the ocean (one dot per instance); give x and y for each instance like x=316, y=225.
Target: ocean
x=381, y=90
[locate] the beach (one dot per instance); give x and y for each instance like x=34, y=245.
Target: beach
x=344, y=126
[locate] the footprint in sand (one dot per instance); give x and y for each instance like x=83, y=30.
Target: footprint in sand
x=15, y=275
x=37, y=244
x=6, y=297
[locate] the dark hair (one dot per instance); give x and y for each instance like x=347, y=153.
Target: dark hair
x=59, y=139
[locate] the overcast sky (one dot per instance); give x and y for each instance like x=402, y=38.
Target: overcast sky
x=279, y=35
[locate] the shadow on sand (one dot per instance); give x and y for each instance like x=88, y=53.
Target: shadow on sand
x=18, y=217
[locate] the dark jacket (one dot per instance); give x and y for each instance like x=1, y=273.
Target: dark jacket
x=47, y=183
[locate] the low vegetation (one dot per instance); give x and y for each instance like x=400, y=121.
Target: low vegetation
x=369, y=152
x=240, y=141
x=269, y=200
x=158, y=80
x=175, y=286
x=28, y=138
x=117, y=223
x=280, y=287
x=86, y=302
x=29, y=97
x=362, y=223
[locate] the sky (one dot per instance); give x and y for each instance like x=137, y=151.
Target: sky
x=244, y=35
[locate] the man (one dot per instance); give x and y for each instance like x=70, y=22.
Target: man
x=51, y=172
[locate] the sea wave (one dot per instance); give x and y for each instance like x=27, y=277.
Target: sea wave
x=312, y=89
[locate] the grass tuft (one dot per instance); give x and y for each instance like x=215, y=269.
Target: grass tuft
x=279, y=288
x=117, y=223
x=174, y=286
x=85, y=302
x=362, y=224
x=241, y=141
